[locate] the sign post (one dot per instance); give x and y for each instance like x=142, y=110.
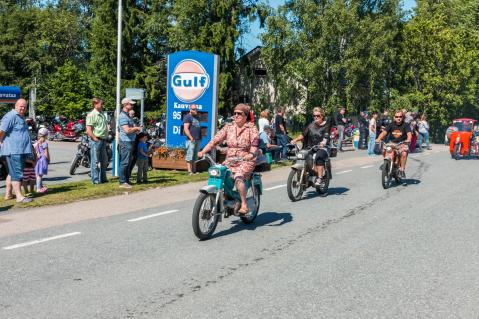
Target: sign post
x=192, y=79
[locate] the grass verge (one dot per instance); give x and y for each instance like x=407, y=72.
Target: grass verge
x=75, y=191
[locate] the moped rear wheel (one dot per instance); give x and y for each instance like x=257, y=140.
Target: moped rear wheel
x=294, y=187
x=385, y=175
x=254, y=200
x=204, y=222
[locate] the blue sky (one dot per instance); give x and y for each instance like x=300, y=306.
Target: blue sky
x=251, y=39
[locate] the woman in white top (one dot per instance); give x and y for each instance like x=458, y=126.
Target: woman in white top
x=372, y=132
x=423, y=127
x=263, y=120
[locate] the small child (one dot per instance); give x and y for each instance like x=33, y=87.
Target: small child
x=28, y=181
x=143, y=153
x=43, y=159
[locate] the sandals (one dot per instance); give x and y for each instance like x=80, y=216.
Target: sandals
x=243, y=211
x=9, y=197
x=25, y=200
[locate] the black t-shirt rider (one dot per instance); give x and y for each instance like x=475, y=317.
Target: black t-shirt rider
x=397, y=133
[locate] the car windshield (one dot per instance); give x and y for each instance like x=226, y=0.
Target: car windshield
x=463, y=126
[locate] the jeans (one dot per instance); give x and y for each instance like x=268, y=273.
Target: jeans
x=98, y=161
x=282, y=140
x=126, y=155
x=340, y=129
x=371, y=143
x=422, y=137
x=142, y=174
x=16, y=164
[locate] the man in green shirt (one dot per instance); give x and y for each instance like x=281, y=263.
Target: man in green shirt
x=97, y=131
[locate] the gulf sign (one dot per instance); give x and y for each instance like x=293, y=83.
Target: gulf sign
x=189, y=81
x=192, y=79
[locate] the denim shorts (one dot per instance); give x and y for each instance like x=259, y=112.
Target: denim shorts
x=16, y=164
x=192, y=149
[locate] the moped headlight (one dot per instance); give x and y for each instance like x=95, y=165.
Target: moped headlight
x=215, y=172
x=300, y=156
x=389, y=148
x=458, y=139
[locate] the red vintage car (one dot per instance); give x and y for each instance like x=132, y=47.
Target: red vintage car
x=465, y=141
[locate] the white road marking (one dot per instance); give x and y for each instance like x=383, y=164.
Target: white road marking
x=368, y=166
x=344, y=172
x=152, y=215
x=39, y=241
x=274, y=187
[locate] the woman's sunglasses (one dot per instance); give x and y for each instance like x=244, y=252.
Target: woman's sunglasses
x=317, y=116
x=398, y=117
x=238, y=113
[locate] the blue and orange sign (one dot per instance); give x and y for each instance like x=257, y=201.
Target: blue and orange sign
x=9, y=94
x=192, y=79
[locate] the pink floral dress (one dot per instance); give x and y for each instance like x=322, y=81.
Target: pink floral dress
x=241, y=142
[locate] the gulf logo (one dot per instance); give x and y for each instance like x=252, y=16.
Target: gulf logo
x=189, y=81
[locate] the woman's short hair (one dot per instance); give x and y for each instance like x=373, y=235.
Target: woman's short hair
x=320, y=111
x=264, y=114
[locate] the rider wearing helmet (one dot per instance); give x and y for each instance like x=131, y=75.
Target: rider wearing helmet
x=317, y=134
x=399, y=131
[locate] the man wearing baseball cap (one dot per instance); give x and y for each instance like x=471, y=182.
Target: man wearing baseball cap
x=128, y=133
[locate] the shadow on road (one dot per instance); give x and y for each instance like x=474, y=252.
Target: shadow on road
x=332, y=191
x=271, y=219
x=64, y=162
x=54, y=179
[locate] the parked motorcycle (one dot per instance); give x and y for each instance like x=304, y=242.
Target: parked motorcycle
x=66, y=130
x=220, y=199
x=390, y=166
x=303, y=175
x=82, y=156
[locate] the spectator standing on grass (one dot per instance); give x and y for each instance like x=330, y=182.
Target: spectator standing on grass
x=143, y=154
x=43, y=159
x=263, y=120
x=341, y=121
x=128, y=132
x=192, y=131
x=281, y=134
x=16, y=146
x=97, y=131
x=372, y=132
x=363, y=130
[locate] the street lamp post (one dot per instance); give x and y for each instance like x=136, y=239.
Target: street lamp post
x=118, y=87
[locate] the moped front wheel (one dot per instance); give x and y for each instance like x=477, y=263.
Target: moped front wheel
x=75, y=164
x=294, y=187
x=386, y=175
x=457, y=150
x=254, y=201
x=204, y=219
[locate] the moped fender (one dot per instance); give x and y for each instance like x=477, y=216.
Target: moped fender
x=259, y=184
x=297, y=166
x=208, y=189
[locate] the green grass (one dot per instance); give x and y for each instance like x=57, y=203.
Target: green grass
x=83, y=190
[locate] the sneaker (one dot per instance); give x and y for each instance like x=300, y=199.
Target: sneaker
x=317, y=182
x=125, y=185
x=42, y=190
x=190, y=173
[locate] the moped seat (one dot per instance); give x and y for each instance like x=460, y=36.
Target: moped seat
x=261, y=164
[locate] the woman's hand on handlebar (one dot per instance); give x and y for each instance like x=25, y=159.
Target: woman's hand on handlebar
x=201, y=154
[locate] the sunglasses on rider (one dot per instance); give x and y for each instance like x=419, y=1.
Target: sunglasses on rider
x=238, y=113
x=317, y=116
x=398, y=117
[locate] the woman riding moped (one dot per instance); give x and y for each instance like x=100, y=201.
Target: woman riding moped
x=242, y=139
x=317, y=133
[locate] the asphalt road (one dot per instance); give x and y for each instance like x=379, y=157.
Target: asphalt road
x=360, y=252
